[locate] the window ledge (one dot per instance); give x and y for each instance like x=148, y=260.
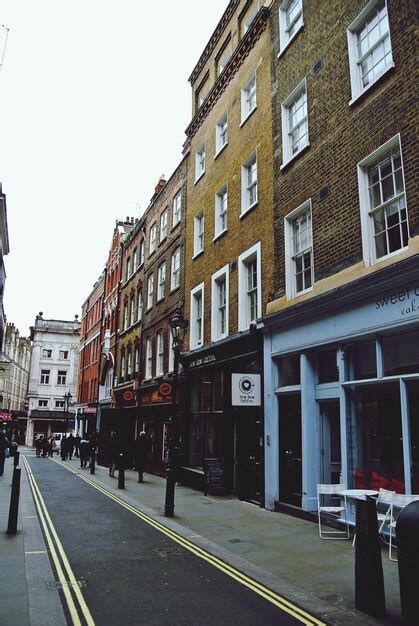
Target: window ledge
x=162, y=240
x=243, y=122
x=175, y=225
x=220, y=150
x=219, y=235
x=282, y=50
x=174, y=288
x=250, y=208
x=160, y=300
x=363, y=91
x=151, y=253
x=294, y=156
x=199, y=177
x=375, y=261
x=197, y=254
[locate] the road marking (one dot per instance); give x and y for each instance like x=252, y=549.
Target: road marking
x=68, y=582
x=279, y=601
x=36, y=552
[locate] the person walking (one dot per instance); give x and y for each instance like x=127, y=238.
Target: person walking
x=64, y=448
x=51, y=446
x=4, y=445
x=77, y=440
x=141, y=448
x=70, y=446
x=84, y=450
x=38, y=446
x=113, y=454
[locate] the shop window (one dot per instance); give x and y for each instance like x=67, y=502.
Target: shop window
x=206, y=393
x=401, y=354
x=197, y=437
x=218, y=391
x=362, y=361
x=327, y=368
x=413, y=394
x=289, y=371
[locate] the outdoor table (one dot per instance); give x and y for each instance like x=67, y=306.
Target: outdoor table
x=355, y=494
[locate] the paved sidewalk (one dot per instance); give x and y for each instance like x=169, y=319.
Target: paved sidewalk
x=282, y=552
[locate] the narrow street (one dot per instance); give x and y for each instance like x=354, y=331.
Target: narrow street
x=120, y=568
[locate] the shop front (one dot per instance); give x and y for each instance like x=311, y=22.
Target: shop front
x=342, y=390
x=121, y=421
x=224, y=415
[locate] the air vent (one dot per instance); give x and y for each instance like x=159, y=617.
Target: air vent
x=324, y=192
x=317, y=66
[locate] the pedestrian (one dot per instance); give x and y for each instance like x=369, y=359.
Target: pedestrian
x=4, y=446
x=113, y=454
x=45, y=446
x=84, y=449
x=38, y=446
x=77, y=440
x=141, y=448
x=64, y=448
x=70, y=446
x=51, y=446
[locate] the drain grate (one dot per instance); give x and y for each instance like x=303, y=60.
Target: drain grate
x=169, y=551
x=53, y=585
x=235, y=540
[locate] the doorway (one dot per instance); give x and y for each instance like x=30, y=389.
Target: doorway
x=330, y=443
x=290, y=464
x=249, y=458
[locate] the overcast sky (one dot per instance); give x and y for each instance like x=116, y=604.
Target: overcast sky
x=94, y=101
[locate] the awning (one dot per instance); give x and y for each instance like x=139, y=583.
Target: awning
x=5, y=416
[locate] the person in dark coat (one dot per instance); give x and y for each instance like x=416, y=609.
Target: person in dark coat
x=64, y=452
x=70, y=446
x=4, y=443
x=38, y=446
x=141, y=448
x=77, y=440
x=84, y=449
x=113, y=454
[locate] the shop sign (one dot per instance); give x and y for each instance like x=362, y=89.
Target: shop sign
x=214, y=483
x=405, y=300
x=245, y=390
x=125, y=397
x=205, y=360
x=165, y=389
x=155, y=396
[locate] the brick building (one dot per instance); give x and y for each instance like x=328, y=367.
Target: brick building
x=89, y=359
x=341, y=334
x=229, y=239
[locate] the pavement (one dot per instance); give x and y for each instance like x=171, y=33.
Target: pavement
x=280, y=551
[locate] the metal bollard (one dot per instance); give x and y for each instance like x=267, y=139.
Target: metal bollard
x=407, y=536
x=121, y=472
x=14, y=503
x=16, y=459
x=369, y=580
x=92, y=461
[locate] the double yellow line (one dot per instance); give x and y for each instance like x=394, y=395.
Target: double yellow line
x=269, y=595
x=77, y=607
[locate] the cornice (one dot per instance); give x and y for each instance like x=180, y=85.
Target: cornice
x=238, y=58
x=214, y=39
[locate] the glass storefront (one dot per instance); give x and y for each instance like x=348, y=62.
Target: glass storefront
x=205, y=425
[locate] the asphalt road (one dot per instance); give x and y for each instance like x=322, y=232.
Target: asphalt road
x=131, y=573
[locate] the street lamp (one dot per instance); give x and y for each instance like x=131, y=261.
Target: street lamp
x=178, y=326
x=67, y=400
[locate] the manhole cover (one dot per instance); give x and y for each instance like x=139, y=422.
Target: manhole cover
x=169, y=551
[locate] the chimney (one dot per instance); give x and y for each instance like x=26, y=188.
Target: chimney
x=160, y=184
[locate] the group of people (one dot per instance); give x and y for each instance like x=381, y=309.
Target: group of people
x=80, y=447
x=142, y=446
x=44, y=446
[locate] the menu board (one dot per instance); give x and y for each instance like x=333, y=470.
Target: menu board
x=214, y=483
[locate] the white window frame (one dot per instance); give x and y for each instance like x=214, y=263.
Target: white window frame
x=247, y=23
x=122, y=370
x=59, y=404
x=198, y=236
x=246, y=91
x=225, y=56
x=163, y=225
x=152, y=239
x=177, y=209
x=150, y=291
x=159, y=353
x=141, y=253
x=137, y=358
x=287, y=154
x=221, y=212
x=221, y=134
x=132, y=311
x=48, y=355
x=62, y=377
x=357, y=88
x=200, y=157
x=44, y=403
x=171, y=365
x=175, y=271
x=125, y=317
x=63, y=355
x=161, y=279
x=223, y=273
x=128, y=268
x=139, y=305
x=284, y=29
x=148, y=359
x=129, y=363
x=245, y=186
x=290, y=271
x=367, y=226
x=194, y=340
x=243, y=260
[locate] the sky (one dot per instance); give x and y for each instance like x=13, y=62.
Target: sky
x=94, y=102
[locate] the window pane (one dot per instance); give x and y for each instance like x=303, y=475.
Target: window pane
x=401, y=353
x=206, y=393
x=363, y=361
x=413, y=394
x=289, y=371
x=218, y=390
x=327, y=366
x=197, y=440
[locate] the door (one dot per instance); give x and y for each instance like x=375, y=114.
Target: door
x=331, y=458
x=290, y=449
x=249, y=458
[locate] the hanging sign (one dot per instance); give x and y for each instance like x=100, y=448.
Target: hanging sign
x=245, y=390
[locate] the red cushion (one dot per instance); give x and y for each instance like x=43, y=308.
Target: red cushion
x=379, y=482
x=397, y=486
x=360, y=482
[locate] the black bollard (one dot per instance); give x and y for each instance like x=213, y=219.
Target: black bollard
x=92, y=461
x=14, y=503
x=369, y=580
x=121, y=472
x=16, y=459
x=407, y=536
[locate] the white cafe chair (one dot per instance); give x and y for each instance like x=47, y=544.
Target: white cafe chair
x=332, y=512
x=384, y=507
x=399, y=501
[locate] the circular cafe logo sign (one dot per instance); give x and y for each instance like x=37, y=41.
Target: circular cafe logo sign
x=246, y=384
x=165, y=389
x=128, y=395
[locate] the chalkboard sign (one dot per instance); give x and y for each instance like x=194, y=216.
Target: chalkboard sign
x=214, y=477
